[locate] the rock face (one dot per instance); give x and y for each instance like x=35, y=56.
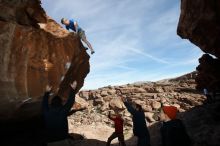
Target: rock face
x=209, y=73
x=200, y=23
x=35, y=51
x=202, y=124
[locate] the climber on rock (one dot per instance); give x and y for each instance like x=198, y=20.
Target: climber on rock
x=140, y=129
x=173, y=132
x=73, y=25
x=55, y=116
x=118, y=121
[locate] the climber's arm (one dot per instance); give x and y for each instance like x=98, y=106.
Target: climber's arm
x=67, y=27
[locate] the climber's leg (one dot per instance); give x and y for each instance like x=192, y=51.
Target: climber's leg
x=84, y=39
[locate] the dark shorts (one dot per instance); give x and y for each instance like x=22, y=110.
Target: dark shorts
x=82, y=34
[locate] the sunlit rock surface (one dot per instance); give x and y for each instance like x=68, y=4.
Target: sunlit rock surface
x=35, y=51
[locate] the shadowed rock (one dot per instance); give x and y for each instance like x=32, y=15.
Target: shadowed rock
x=200, y=23
x=209, y=73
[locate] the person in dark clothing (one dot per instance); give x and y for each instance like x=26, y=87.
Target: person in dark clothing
x=55, y=116
x=209, y=98
x=173, y=132
x=118, y=129
x=139, y=124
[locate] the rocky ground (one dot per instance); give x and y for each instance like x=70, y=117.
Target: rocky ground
x=93, y=123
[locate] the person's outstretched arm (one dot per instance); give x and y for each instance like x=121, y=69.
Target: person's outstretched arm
x=126, y=103
x=111, y=117
x=129, y=107
x=76, y=110
x=71, y=99
x=45, y=104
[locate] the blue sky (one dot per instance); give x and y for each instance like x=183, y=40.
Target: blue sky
x=134, y=40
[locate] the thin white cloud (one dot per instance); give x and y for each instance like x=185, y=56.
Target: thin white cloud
x=148, y=56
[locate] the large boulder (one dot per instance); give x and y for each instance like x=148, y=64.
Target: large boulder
x=116, y=103
x=209, y=73
x=35, y=51
x=200, y=23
